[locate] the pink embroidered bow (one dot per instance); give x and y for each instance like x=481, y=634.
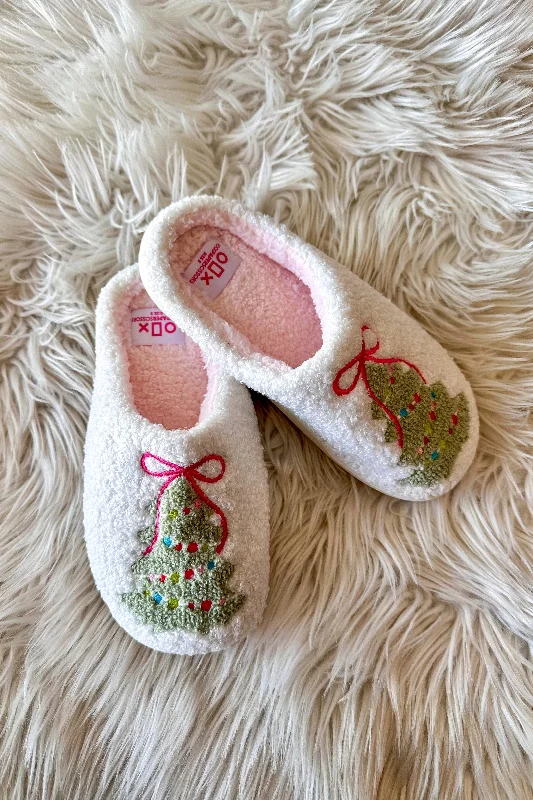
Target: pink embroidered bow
x=193, y=475
x=363, y=356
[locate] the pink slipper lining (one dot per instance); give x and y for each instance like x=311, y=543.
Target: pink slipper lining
x=168, y=381
x=264, y=302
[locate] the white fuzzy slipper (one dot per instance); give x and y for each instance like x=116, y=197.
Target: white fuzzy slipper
x=360, y=377
x=176, y=495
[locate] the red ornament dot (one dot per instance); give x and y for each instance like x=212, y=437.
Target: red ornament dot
x=426, y=439
x=191, y=606
x=206, y=605
x=454, y=419
x=192, y=547
x=222, y=601
x=432, y=414
x=417, y=398
x=450, y=430
x=163, y=578
x=186, y=510
x=411, y=406
x=178, y=547
x=189, y=573
x=392, y=380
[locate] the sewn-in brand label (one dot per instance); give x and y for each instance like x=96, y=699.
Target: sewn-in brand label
x=213, y=268
x=151, y=326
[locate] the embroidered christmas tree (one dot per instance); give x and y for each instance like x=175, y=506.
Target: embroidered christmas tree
x=428, y=425
x=434, y=425
x=182, y=579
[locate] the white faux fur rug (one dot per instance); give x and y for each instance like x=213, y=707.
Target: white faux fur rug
x=395, y=660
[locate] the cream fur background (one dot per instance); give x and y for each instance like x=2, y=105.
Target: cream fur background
x=395, y=659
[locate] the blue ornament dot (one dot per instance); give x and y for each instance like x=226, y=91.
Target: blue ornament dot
x=167, y=540
x=403, y=412
x=433, y=394
x=434, y=455
x=210, y=565
x=158, y=597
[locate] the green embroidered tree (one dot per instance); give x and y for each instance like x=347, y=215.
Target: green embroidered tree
x=434, y=425
x=183, y=581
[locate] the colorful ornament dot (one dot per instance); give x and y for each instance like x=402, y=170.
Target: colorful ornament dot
x=434, y=455
x=417, y=397
x=172, y=603
x=210, y=565
x=186, y=510
x=167, y=540
x=206, y=605
x=222, y=601
x=403, y=412
x=189, y=573
x=204, y=548
x=192, y=547
x=175, y=577
x=191, y=606
x=433, y=395
x=426, y=439
x=454, y=419
x=432, y=414
x=178, y=547
x=163, y=578
x=158, y=597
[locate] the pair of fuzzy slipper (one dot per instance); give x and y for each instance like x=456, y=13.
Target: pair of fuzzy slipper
x=176, y=497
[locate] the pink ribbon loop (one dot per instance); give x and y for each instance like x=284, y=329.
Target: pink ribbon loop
x=193, y=475
x=365, y=355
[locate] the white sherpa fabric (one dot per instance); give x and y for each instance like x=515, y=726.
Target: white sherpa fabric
x=395, y=657
x=118, y=491
x=341, y=425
